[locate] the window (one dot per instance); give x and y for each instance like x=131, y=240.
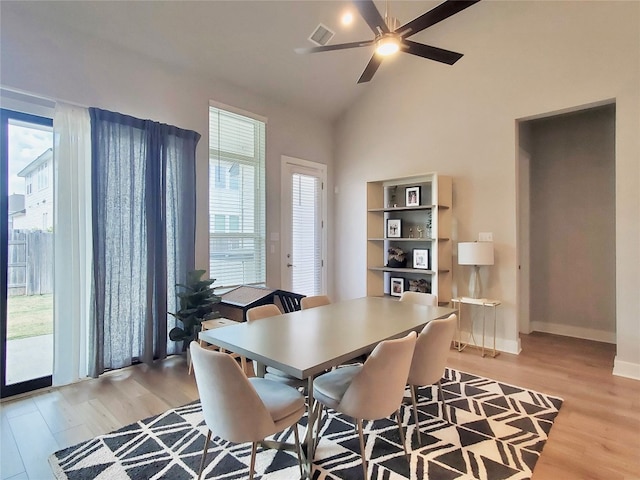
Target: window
x=237, y=247
x=29, y=185
x=43, y=176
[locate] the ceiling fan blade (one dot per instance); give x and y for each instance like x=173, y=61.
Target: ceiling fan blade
x=432, y=53
x=433, y=16
x=372, y=16
x=371, y=69
x=339, y=46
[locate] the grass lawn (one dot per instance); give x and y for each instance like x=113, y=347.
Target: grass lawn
x=28, y=316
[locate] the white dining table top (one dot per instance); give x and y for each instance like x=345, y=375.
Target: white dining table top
x=308, y=342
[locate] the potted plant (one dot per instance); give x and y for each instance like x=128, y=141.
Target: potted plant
x=197, y=302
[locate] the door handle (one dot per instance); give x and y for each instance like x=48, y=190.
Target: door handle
x=290, y=265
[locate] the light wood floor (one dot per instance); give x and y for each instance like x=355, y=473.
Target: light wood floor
x=596, y=434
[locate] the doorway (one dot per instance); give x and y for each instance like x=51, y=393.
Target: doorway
x=566, y=232
x=303, y=219
x=26, y=259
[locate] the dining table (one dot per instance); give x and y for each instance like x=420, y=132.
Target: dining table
x=308, y=342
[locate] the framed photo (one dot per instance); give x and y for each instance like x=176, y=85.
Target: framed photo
x=394, y=228
x=421, y=258
x=396, y=286
x=413, y=196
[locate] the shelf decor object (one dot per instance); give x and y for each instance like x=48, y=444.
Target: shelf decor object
x=396, y=286
x=475, y=254
x=421, y=258
x=412, y=196
x=394, y=228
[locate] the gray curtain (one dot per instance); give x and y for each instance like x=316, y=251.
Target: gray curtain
x=143, y=203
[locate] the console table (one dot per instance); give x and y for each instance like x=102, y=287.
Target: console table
x=486, y=304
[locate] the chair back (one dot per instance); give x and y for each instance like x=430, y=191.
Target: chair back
x=377, y=390
x=263, y=311
x=432, y=348
x=290, y=301
x=428, y=299
x=314, y=301
x=231, y=406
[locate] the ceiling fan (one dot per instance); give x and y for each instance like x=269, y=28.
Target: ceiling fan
x=389, y=38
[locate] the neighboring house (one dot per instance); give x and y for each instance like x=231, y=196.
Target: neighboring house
x=37, y=207
x=16, y=209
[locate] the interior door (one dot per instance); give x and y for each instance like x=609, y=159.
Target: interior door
x=303, y=226
x=26, y=256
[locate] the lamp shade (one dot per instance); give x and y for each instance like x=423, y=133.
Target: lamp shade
x=475, y=253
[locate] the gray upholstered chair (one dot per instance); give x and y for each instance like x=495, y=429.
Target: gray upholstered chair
x=428, y=299
x=241, y=409
x=370, y=391
x=314, y=301
x=429, y=360
x=266, y=311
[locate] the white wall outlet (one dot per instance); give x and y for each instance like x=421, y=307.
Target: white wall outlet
x=485, y=237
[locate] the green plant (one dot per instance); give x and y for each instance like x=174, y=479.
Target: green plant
x=197, y=302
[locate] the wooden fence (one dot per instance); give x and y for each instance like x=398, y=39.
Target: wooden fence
x=30, y=267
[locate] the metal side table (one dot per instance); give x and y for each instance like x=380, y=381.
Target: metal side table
x=485, y=303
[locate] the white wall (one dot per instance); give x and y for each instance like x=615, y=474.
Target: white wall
x=41, y=59
x=521, y=59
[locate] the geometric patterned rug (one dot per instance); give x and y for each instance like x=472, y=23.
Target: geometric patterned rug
x=497, y=432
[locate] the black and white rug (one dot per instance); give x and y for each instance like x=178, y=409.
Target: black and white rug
x=497, y=432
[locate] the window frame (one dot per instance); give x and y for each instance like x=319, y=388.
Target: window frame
x=256, y=161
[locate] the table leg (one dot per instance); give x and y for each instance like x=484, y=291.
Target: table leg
x=309, y=441
x=483, y=327
x=494, y=331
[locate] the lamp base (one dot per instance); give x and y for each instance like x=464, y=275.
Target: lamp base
x=474, y=282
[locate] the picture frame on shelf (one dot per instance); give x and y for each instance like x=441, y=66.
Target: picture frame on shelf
x=421, y=258
x=396, y=286
x=394, y=228
x=412, y=196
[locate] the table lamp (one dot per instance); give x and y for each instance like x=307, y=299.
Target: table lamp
x=476, y=254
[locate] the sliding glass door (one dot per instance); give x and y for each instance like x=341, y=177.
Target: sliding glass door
x=26, y=256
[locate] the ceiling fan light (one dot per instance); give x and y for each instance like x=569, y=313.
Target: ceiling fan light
x=387, y=46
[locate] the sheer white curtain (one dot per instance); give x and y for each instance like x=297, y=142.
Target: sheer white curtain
x=73, y=243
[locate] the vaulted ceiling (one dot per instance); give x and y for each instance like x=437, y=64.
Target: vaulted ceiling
x=251, y=43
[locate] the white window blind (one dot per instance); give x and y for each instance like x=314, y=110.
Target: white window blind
x=306, y=234
x=236, y=199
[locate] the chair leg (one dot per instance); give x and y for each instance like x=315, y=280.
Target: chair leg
x=318, y=416
x=444, y=405
x=243, y=363
x=204, y=453
x=415, y=412
x=252, y=465
x=402, y=439
x=296, y=435
x=361, y=436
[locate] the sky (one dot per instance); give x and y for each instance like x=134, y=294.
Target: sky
x=26, y=143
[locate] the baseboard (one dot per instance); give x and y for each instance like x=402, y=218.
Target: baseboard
x=508, y=346
x=626, y=369
x=572, y=331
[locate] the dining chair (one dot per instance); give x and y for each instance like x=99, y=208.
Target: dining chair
x=428, y=299
x=262, y=312
x=290, y=301
x=314, y=301
x=241, y=409
x=369, y=391
x=429, y=359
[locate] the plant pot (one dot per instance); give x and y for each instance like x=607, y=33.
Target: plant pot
x=393, y=263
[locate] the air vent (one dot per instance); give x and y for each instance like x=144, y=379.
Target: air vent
x=321, y=35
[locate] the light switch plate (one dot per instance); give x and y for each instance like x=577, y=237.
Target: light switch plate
x=485, y=237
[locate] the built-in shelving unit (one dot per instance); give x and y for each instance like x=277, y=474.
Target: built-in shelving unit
x=425, y=226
